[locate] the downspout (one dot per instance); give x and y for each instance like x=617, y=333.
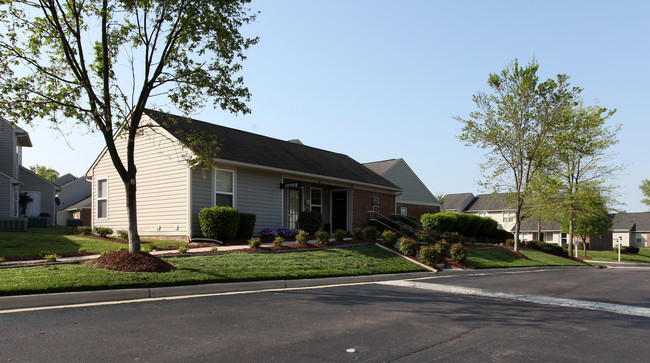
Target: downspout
x=189, y=204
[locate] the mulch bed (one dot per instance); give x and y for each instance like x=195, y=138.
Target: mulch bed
x=132, y=262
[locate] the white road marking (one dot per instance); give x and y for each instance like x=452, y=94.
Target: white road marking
x=544, y=300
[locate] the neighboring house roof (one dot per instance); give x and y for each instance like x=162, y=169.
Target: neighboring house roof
x=22, y=137
x=457, y=202
x=25, y=170
x=530, y=225
x=639, y=222
x=490, y=202
x=65, y=179
x=400, y=173
x=73, y=192
x=257, y=150
x=12, y=180
x=82, y=204
x=381, y=167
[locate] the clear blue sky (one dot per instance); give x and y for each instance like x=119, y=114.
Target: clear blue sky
x=379, y=80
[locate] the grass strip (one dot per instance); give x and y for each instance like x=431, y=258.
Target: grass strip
x=359, y=260
x=642, y=257
x=499, y=258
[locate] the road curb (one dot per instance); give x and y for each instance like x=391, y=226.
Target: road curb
x=85, y=297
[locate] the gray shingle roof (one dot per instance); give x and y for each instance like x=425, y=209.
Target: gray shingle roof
x=639, y=222
x=490, y=202
x=245, y=147
x=380, y=167
x=455, y=202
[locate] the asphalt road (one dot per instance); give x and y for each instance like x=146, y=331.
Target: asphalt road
x=365, y=322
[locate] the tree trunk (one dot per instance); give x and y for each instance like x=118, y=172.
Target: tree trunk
x=134, y=237
x=517, y=226
x=539, y=229
x=571, y=235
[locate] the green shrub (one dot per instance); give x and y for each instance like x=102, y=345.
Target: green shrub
x=103, y=231
x=370, y=233
x=357, y=234
x=458, y=253
x=278, y=241
x=85, y=230
x=339, y=235
x=323, y=237
x=428, y=255
x=83, y=250
x=51, y=258
x=215, y=248
x=408, y=247
x=2, y=259
x=219, y=222
x=246, y=225
x=255, y=242
x=550, y=248
x=441, y=249
x=627, y=249
x=510, y=242
x=301, y=238
x=310, y=221
x=183, y=249
x=122, y=234
x=389, y=238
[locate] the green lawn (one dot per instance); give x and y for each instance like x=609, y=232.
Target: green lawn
x=59, y=240
x=361, y=260
x=497, y=258
x=642, y=257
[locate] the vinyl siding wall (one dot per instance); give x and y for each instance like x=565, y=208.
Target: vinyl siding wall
x=162, y=186
x=259, y=193
x=7, y=149
x=5, y=197
x=413, y=190
x=201, y=196
x=32, y=182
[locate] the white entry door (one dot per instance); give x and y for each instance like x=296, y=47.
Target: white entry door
x=34, y=207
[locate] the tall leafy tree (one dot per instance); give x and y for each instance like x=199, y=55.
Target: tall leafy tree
x=45, y=172
x=513, y=124
x=645, y=189
x=590, y=216
x=580, y=164
x=101, y=62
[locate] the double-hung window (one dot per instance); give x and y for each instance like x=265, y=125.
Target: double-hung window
x=316, y=200
x=102, y=198
x=508, y=217
x=224, y=188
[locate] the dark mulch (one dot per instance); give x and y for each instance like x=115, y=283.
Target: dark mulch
x=132, y=262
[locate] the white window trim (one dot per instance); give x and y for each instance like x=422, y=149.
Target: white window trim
x=311, y=205
x=98, y=198
x=508, y=216
x=234, y=186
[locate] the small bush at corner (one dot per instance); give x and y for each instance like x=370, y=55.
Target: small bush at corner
x=458, y=253
x=183, y=249
x=370, y=233
x=301, y=238
x=389, y=238
x=442, y=249
x=254, y=242
x=51, y=258
x=103, y=231
x=408, y=247
x=85, y=230
x=278, y=241
x=428, y=255
x=339, y=235
x=357, y=234
x=323, y=237
x=310, y=221
x=122, y=234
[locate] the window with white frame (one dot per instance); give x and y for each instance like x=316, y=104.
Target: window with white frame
x=482, y=214
x=403, y=211
x=316, y=200
x=508, y=217
x=224, y=188
x=563, y=238
x=102, y=198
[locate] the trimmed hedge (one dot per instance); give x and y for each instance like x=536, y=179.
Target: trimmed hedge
x=219, y=222
x=551, y=248
x=309, y=221
x=468, y=225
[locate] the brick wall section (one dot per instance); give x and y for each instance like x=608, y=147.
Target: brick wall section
x=416, y=210
x=362, y=202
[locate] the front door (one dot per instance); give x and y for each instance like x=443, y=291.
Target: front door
x=339, y=210
x=293, y=204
